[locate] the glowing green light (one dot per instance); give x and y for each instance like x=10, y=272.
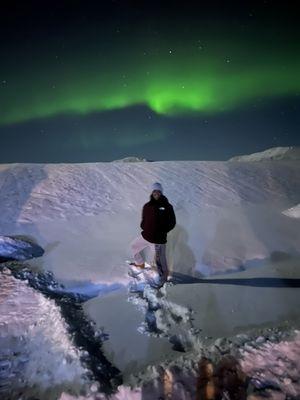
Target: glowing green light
x=182, y=81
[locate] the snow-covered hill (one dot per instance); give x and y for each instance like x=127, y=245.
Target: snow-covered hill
x=132, y=159
x=85, y=215
x=274, y=153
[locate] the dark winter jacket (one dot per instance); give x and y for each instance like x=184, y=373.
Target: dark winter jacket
x=158, y=218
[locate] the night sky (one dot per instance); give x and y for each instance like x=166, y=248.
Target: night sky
x=88, y=81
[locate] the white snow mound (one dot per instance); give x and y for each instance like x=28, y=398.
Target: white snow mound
x=86, y=215
x=275, y=153
x=293, y=212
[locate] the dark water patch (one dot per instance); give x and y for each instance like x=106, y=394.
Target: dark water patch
x=18, y=248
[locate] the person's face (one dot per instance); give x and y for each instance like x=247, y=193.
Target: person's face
x=156, y=194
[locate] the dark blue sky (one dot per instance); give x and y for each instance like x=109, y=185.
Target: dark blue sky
x=63, y=38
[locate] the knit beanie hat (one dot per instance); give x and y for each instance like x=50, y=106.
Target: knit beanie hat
x=157, y=186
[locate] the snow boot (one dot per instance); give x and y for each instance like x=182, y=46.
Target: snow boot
x=142, y=266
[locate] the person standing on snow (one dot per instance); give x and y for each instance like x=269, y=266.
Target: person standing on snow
x=158, y=218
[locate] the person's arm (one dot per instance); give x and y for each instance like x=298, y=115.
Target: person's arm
x=143, y=218
x=171, y=219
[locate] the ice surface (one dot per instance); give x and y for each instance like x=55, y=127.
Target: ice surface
x=194, y=314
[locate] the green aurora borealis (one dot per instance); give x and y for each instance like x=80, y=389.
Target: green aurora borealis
x=174, y=74
x=88, y=81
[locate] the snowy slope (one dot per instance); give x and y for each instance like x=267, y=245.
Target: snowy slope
x=275, y=153
x=85, y=215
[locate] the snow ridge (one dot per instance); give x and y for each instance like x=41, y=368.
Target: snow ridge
x=274, y=153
